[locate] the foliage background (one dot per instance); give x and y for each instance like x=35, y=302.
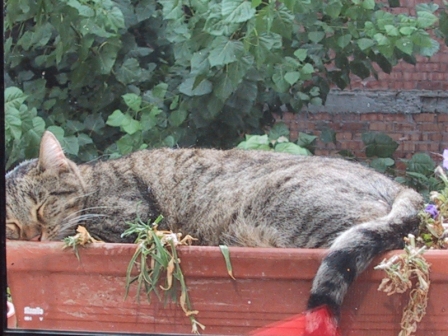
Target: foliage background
x=109, y=77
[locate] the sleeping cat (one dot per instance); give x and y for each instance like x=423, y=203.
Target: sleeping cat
x=235, y=197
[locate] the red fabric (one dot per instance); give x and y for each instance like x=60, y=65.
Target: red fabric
x=316, y=322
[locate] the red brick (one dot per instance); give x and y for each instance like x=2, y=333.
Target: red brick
x=425, y=117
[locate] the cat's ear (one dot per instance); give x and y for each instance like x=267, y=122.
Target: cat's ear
x=51, y=155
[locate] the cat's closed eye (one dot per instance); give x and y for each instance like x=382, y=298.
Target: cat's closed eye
x=12, y=230
x=40, y=213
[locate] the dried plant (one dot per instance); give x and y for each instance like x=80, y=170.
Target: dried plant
x=156, y=255
x=410, y=271
x=82, y=238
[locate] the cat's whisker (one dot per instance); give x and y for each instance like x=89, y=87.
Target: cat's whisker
x=84, y=210
x=84, y=217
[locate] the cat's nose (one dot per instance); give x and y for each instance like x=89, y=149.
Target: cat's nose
x=36, y=238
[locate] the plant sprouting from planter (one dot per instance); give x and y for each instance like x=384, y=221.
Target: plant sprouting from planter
x=401, y=271
x=156, y=255
x=410, y=270
x=82, y=238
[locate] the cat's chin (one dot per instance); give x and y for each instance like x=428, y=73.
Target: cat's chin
x=40, y=237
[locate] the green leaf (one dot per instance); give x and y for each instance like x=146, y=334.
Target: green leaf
x=316, y=36
x=58, y=132
x=224, y=87
x=394, y=3
x=381, y=164
x=114, y=19
x=129, y=71
x=169, y=141
x=360, y=69
x=235, y=11
x=132, y=101
x=368, y=4
x=70, y=145
x=430, y=51
x=278, y=130
x=13, y=123
x=226, y=254
x=131, y=126
x=292, y=148
x=344, y=40
x=177, y=117
x=124, y=121
x=203, y=88
x=301, y=54
x=279, y=80
x=292, y=77
x=379, y=144
x=306, y=140
x=391, y=30
x=116, y=119
x=224, y=51
x=125, y=144
x=381, y=39
x=14, y=97
x=83, y=10
x=159, y=91
x=405, y=45
x=107, y=54
x=307, y=69
x=425, y=19
x=365, y=43
x=328, y=135
x=333, y=9
x=421, y=163
x=407, y=30
x=258, y=142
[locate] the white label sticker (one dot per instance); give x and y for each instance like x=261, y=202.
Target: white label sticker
x=33, y=311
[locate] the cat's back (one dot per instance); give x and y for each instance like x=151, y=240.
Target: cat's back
x=252, y=165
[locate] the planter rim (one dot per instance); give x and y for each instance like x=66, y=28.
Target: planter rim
x=247, y=262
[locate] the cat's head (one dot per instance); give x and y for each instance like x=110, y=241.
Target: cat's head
x=43, y=194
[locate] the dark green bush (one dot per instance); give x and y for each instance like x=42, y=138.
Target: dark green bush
x=109, y=77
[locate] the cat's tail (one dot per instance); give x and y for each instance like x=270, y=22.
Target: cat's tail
x=348, y=256
x=314, y=322
x=355, y=248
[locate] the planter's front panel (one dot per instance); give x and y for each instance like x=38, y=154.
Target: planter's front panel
x=53, y=290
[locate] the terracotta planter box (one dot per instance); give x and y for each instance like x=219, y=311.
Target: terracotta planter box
x=51, y=289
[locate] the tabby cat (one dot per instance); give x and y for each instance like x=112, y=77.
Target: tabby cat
x=235, y=197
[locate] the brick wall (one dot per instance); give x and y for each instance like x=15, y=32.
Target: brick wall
x=419, y=123
x=427, y=74
x=423, y=132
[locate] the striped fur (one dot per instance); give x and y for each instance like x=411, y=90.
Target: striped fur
x=238, y=198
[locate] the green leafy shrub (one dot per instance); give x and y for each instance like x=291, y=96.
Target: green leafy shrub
x=278, y=141
x=110, y=77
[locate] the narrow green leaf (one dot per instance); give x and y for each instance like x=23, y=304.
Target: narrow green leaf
x=226, y=254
